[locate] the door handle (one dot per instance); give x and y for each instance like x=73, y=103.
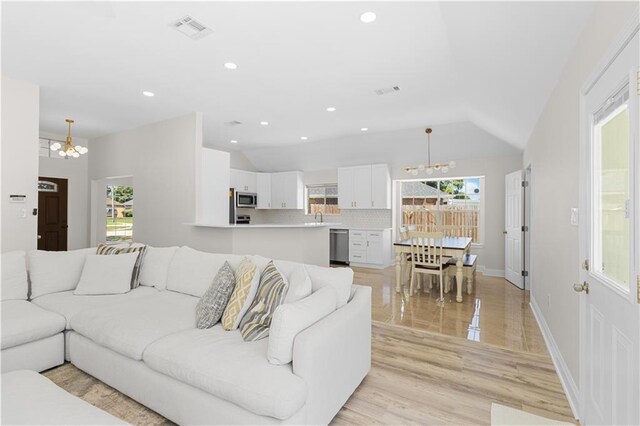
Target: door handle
x=504, y=232
x=39, y=237
x=581, y=287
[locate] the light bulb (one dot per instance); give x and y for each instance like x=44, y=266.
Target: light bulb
x=78, y=148
x=84, y=150
x=452, y=164
x=62, y=154
x=414, y=172
x=429, y=171
x=445, y=169
x=421, y=167
x=75, y=155
x=56, y=146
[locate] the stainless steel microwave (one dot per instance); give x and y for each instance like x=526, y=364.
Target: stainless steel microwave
x=246, y=200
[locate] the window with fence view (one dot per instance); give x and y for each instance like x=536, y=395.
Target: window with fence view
x=454, y=203
x=119, y=226
x=322, y=199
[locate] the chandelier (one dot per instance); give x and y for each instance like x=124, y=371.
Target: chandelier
x=429, y=168
x=69, y=150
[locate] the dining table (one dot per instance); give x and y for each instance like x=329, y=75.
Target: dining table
x=452, y=247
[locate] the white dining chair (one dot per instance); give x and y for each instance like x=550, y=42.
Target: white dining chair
x=426, y=258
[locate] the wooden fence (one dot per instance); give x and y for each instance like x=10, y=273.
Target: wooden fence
x=425, y=218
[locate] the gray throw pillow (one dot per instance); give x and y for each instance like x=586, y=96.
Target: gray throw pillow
x=213, y=302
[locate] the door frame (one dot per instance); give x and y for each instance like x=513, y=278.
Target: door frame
x=626, y=35
x=527, y=236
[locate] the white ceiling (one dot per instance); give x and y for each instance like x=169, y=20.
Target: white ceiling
x=490, y=64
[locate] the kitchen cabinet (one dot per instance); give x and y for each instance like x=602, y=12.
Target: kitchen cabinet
x=364, y=187
x=370, y=247
x=243, y=181
x=212, y=187
x=287, y=190
x=263, y=189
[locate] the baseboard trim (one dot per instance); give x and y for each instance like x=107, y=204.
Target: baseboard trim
x=566, y=380
x=490, y=272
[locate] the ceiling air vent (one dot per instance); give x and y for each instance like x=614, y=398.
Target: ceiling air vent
x=387, y=90
x=191, y=28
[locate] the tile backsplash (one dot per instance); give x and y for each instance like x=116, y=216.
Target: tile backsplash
x=355, y=218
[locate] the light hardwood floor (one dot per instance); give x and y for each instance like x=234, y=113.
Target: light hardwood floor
x=497, y=312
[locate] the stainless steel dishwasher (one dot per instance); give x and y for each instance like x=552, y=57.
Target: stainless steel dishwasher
x=339, y=246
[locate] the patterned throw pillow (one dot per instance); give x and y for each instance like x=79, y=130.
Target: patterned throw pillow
x=212, y=303
x=271, y=293
x=247, y=282
x=141, y=250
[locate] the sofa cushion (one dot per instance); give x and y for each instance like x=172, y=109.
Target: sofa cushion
x=192, y=271
x=128, y=328
x=139, y=249
x=14, y=276
x=289, y=319
x=221, y=363
x=339, y=278
x=156, y=266
x=24, y=322
x=247, y=283
x=107, y=274
x=294, y=273
x=271, y=293
x=55, y=271
x=211, y=305
x=68, y=304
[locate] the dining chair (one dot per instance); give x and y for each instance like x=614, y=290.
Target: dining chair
x=450, y=230
x=426, y=258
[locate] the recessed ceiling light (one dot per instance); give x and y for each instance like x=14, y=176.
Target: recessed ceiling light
x=230, y=66
x=233, y=141
x=304, y=138
x=149, y=94
x=331, y=109
x=364, y=129
x=264, y=123
x=368, y=17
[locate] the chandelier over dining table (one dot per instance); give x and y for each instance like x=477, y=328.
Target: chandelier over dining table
x=429, y=168
x=69, y=150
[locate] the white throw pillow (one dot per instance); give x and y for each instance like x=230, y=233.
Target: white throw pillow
x=14, y=276
x=339, y=278
x=155, y=267
x=291, y=318
x=192, y=271
x=106, y=274
x=294, y=273
x=56, y=271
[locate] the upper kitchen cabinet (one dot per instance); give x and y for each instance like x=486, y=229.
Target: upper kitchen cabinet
x=364, y=187
x=287, y=190
x=263, y=189
x=243, y=181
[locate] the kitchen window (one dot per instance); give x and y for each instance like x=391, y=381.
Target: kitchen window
x=427, y=204
x=322, y=199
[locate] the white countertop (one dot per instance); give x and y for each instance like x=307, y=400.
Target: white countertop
x=264, y=225
x=355, y=228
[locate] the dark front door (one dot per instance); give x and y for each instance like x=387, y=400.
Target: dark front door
x=52, y=214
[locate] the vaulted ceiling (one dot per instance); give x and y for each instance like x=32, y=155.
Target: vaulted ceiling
x=491, y=65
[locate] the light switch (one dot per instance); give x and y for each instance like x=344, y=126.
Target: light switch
x=574, y=216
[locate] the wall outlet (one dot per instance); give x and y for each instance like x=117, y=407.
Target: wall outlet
x=549, y=301
x=575, y=216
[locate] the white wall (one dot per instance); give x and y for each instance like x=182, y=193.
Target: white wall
x=552, y=151
x=76, y=171
x=20, y=124
x=161, y=159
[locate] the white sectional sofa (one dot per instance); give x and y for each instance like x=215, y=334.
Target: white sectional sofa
x=145, y=342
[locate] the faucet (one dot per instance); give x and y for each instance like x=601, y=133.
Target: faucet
x=315, y=217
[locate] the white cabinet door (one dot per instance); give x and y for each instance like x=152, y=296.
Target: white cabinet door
x=374, y=252
x=287, y=190
x=345, y=188
x=380, y=187
x=243, y=181
x=263, y=189
x=277, y=191
x=362, y=187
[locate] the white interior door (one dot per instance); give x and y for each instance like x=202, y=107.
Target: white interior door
x=513, y=228
x=610, y=313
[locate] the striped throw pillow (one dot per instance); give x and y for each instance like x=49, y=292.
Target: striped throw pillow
x=141, y=250
x=271, y=293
